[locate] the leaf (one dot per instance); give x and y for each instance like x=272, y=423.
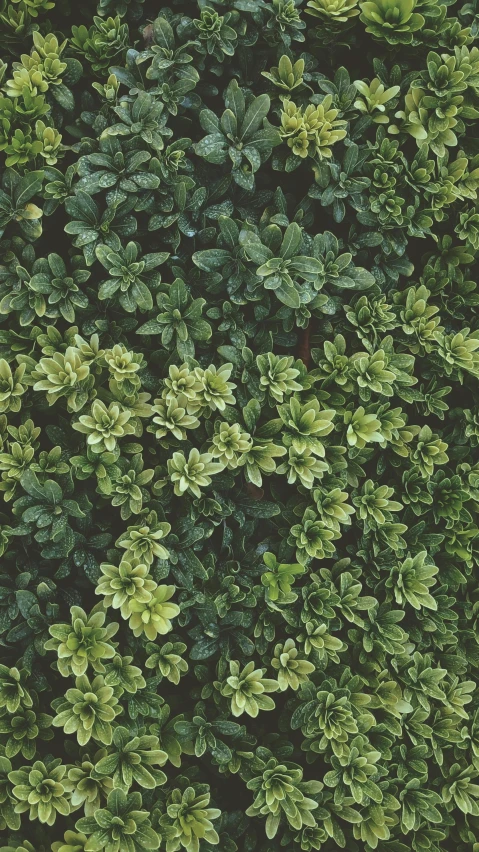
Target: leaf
x=221, y=752
x=108, y=288
x=212, y=148
x=52, y=492
x=253, y=157
x=288, y=294
x=244, y=179
x=255, y=250
x=301, y=714
x=234, y=100
x=229, y=124
x=19, y=632
x=251, y=414
x=291, y=241
x=211, y=259
x=255, y=114
x=26, y=602
x=229, y=231
x=73, y=71
x=259, y=509
x=27, y=187
x=350, y=158
x=306, y=265
x=63, y=97
x=163, y=34
x=230, y=353
x=31, y=485
x=191, y=563
x=210, y=121
x=107, y=765
x=203, y=649
x=150, y=327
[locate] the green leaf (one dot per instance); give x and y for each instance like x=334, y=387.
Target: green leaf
x=255, y=114
x=288, y=294
x=63, y=97
x=211, y=259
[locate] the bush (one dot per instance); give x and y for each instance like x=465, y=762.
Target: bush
x=239, y=426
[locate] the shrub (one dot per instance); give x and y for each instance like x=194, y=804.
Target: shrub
x=239, y=425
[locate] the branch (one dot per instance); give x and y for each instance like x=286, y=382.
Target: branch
x=304, y=345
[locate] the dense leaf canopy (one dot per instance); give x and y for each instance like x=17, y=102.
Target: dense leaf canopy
x=239, y=426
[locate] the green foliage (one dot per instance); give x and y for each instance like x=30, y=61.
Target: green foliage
x=239, y=426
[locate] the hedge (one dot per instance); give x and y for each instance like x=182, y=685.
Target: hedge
x=239, y=426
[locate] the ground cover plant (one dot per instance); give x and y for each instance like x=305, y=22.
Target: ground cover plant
x=239, y=426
